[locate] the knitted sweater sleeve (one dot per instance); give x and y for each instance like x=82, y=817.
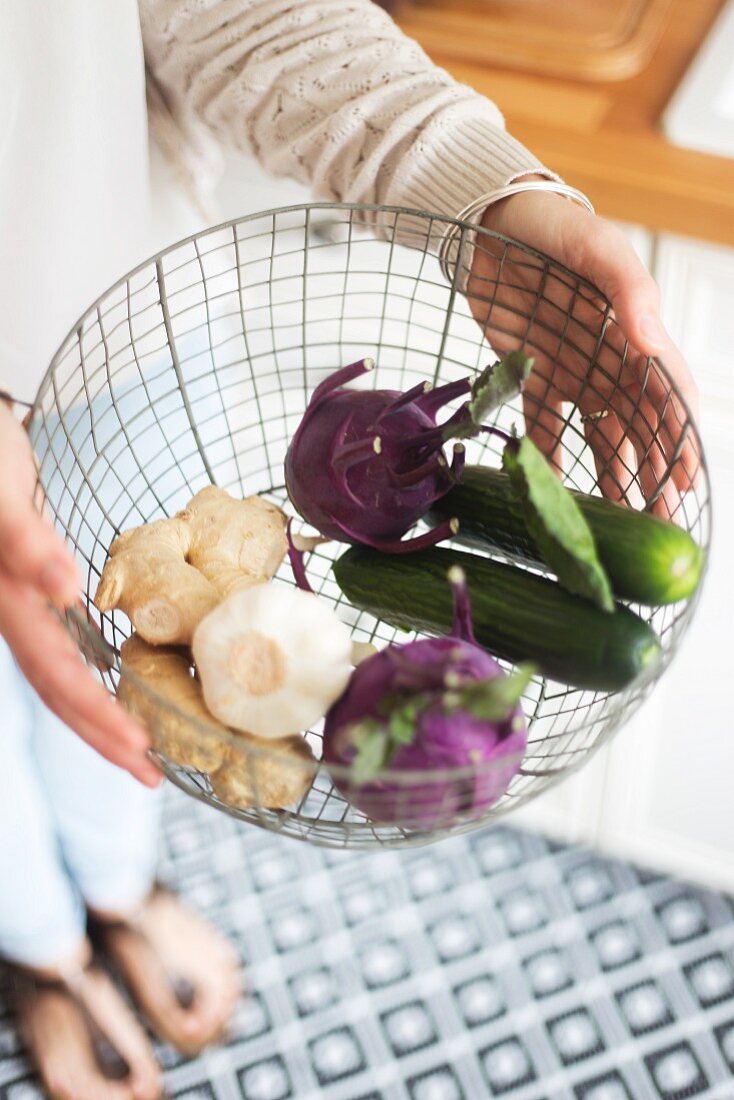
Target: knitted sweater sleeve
x=332, y=93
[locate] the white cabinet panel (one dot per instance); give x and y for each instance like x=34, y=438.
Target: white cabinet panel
x=669, y=793
x=571, y=811
x=663, y=792
x=697, y=285
x=669, y=796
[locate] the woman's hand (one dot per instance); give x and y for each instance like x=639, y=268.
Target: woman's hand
x=35, y=569
x=643, y=435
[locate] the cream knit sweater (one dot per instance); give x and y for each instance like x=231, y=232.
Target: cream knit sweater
x=326, y=91
x=329, y=92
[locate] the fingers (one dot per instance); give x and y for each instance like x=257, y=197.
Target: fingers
x=653, y=470
x=587, y=354
x=30, y=550
x=544, y=421
x=614, y=457
x=51, y=662
x=607, y=259
x=629, y=447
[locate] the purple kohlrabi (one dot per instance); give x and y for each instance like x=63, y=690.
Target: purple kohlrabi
x=438, y=708
x=365, y=465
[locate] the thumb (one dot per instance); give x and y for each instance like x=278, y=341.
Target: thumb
x=608, y=260
x=30, y=550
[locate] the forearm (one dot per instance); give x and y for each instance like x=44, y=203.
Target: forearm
x=333, y=94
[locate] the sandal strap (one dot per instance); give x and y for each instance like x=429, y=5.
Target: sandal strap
x=111, y=1063
x=99, y=928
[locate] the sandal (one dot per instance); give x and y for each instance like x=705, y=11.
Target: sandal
x=87, y=1062
x=182, y=975
x=26, y=985
x=100, y=929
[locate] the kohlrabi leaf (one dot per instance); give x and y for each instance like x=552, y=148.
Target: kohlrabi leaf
x=497, y=384
x=403, y=720
x=557, y=524
x=372, y=741
x=378, y=739
x=491, y=700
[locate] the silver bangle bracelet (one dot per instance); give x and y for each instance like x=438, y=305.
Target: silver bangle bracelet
x=478, y=206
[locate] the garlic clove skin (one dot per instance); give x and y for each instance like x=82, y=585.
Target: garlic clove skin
x=272, y=659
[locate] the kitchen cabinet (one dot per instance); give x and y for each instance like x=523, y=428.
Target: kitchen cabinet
x=602, y=134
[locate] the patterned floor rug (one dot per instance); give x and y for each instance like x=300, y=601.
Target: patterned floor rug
x=495, y=965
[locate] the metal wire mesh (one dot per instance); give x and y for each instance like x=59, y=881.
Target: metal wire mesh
x=197, y=367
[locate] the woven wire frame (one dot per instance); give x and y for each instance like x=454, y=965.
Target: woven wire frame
x=196, y=369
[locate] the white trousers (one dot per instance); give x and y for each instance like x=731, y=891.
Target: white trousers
x=73, y=829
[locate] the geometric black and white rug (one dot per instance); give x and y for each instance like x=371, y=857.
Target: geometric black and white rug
x=492, y=965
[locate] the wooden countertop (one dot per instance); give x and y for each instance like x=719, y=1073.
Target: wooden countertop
x=604, y=137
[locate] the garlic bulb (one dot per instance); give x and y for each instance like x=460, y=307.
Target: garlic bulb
x=271, y=659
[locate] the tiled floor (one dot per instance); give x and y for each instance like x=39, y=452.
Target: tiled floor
x=491, y=965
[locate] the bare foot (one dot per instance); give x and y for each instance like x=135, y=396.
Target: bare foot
x=59, y=1038
x=166, y=941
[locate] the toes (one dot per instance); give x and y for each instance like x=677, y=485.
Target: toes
x=214, y=1008
x=191, y=949
x=108, y=1090
x=58, y=1038
x=58, y=1086
x=149, y=1086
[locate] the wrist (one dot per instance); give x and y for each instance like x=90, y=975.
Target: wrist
x=495, y=209
x=536, y=197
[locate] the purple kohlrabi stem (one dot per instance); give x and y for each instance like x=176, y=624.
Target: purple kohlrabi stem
x=492, y=429
x=463, y=626
x=414, y=476
x=445, y=530
x=460, y=425
x=434, y=400
x=458, y=460
x=340, y=378
x=295, y=557
x=408, y=398
x=345, y=455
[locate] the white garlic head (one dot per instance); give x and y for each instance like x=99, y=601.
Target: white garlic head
x=272, y=659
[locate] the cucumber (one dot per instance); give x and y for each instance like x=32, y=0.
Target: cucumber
x=517, y=615
x=647, y=560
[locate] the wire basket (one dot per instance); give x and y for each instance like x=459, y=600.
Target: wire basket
x=196, y=368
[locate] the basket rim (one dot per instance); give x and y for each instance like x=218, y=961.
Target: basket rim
x=264, y=749
x=307, y=207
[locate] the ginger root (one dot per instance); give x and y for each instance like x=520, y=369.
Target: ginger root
x=167, y=575
x=271, y=774
x=245, y=771
x=180, y=734
x=234, y=543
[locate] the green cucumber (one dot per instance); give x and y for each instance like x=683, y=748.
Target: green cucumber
x=517, y=615
x=648, y=560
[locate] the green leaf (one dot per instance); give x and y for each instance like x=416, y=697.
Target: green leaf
x=372, y=741
x=497, y=384
x=403, y=722
x=378, y=739
x=557, y=524
x=492, y=700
